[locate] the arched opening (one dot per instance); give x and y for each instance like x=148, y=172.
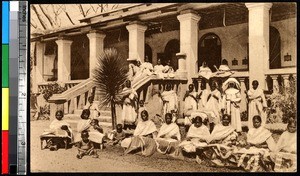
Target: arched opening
x=172, y=47
x=148, y=52
x=80, y=58
x=209, y=50
x=275, y=48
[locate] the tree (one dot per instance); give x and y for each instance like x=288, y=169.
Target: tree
x=109, y=76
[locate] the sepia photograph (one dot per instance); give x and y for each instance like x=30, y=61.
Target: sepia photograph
x=163, y=87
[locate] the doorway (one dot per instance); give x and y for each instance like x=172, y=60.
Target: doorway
x=172, y=47
x=209, y=50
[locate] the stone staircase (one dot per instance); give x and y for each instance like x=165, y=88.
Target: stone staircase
x=104, y=119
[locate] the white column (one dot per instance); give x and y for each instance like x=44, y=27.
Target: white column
x=181, y=72
x=259, y=22
x=64, y=59
x=136, y=40
x=96, y=47
x=40, y=49
x=189, y=40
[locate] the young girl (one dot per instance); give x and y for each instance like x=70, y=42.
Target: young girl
x=59, y=128
x=85, y=146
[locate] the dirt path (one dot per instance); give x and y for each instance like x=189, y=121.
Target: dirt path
x=110, y=159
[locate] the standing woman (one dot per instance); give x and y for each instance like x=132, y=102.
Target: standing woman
x=231, y=102
x=129, y=113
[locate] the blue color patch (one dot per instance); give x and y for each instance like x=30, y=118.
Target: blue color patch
x=5, y=22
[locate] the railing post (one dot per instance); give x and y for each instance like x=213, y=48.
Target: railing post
x=286, y=80
x=275, y=83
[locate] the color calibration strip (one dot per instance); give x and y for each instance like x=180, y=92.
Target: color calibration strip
x=5, y=86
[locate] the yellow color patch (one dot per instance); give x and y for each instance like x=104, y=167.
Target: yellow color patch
x=5, y=108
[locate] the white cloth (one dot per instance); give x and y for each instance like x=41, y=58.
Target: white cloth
x=94, y=135
x=170, y=101
x=231, y=101
x=203, y=99
x=200, y=133
x=260, y=135
x=169, y=130
x=205, y=72
x=287, y=142
x=147, y=68
x=144, y=128
x=129, y=114
x=55, y=128
x=257, y=101
x=221, y=132
x=214, y=105
x=190, y=103
x=159, y=71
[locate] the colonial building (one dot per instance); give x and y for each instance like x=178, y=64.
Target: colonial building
x=257, y=39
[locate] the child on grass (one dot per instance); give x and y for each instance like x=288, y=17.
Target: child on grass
x=85, y=146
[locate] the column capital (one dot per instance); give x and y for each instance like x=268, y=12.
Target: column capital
x=63, y=41
x=136, y=25
x=285, y=76
x=251, y=6
x=274, y=77
x=96, y=34
x=188, y=15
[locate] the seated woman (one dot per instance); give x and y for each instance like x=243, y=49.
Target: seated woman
x=92, y=127
x=224, y=70
x=221, y=140
x=93, y=107
x=168, y=136
x=223, y=133
x=169, y=71
x=285, y=153
x=142, y=137
x=259, y=144
x=205, y=71
x=196, y=136
x=147, y=67
x=58, y=129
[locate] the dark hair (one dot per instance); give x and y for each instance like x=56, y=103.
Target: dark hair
x=197, y=118
x=119, y=125
x=257, y=117
x=292, y=121
x=59, y=112
x=224, y=62
x=255, y=81
x=96, y=121
x=168, y=114
x=146, y=113
x=226, y=115
x=85, y=111
x=85, y=133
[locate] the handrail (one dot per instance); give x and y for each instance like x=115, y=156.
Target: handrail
x=74, y=91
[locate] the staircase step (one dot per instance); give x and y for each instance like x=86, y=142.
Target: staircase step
x=102, y=112
x=73, y=124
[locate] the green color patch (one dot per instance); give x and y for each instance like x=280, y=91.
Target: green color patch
x=5, y=71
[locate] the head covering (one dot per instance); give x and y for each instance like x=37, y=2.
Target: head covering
x=197, y=113
x=231, y=80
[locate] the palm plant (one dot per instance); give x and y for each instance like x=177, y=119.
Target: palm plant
x=109, y=76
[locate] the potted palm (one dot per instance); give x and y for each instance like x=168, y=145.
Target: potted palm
x=109, y=76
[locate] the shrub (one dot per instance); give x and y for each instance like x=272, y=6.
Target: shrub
x=284, y=101
x=53, y=88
